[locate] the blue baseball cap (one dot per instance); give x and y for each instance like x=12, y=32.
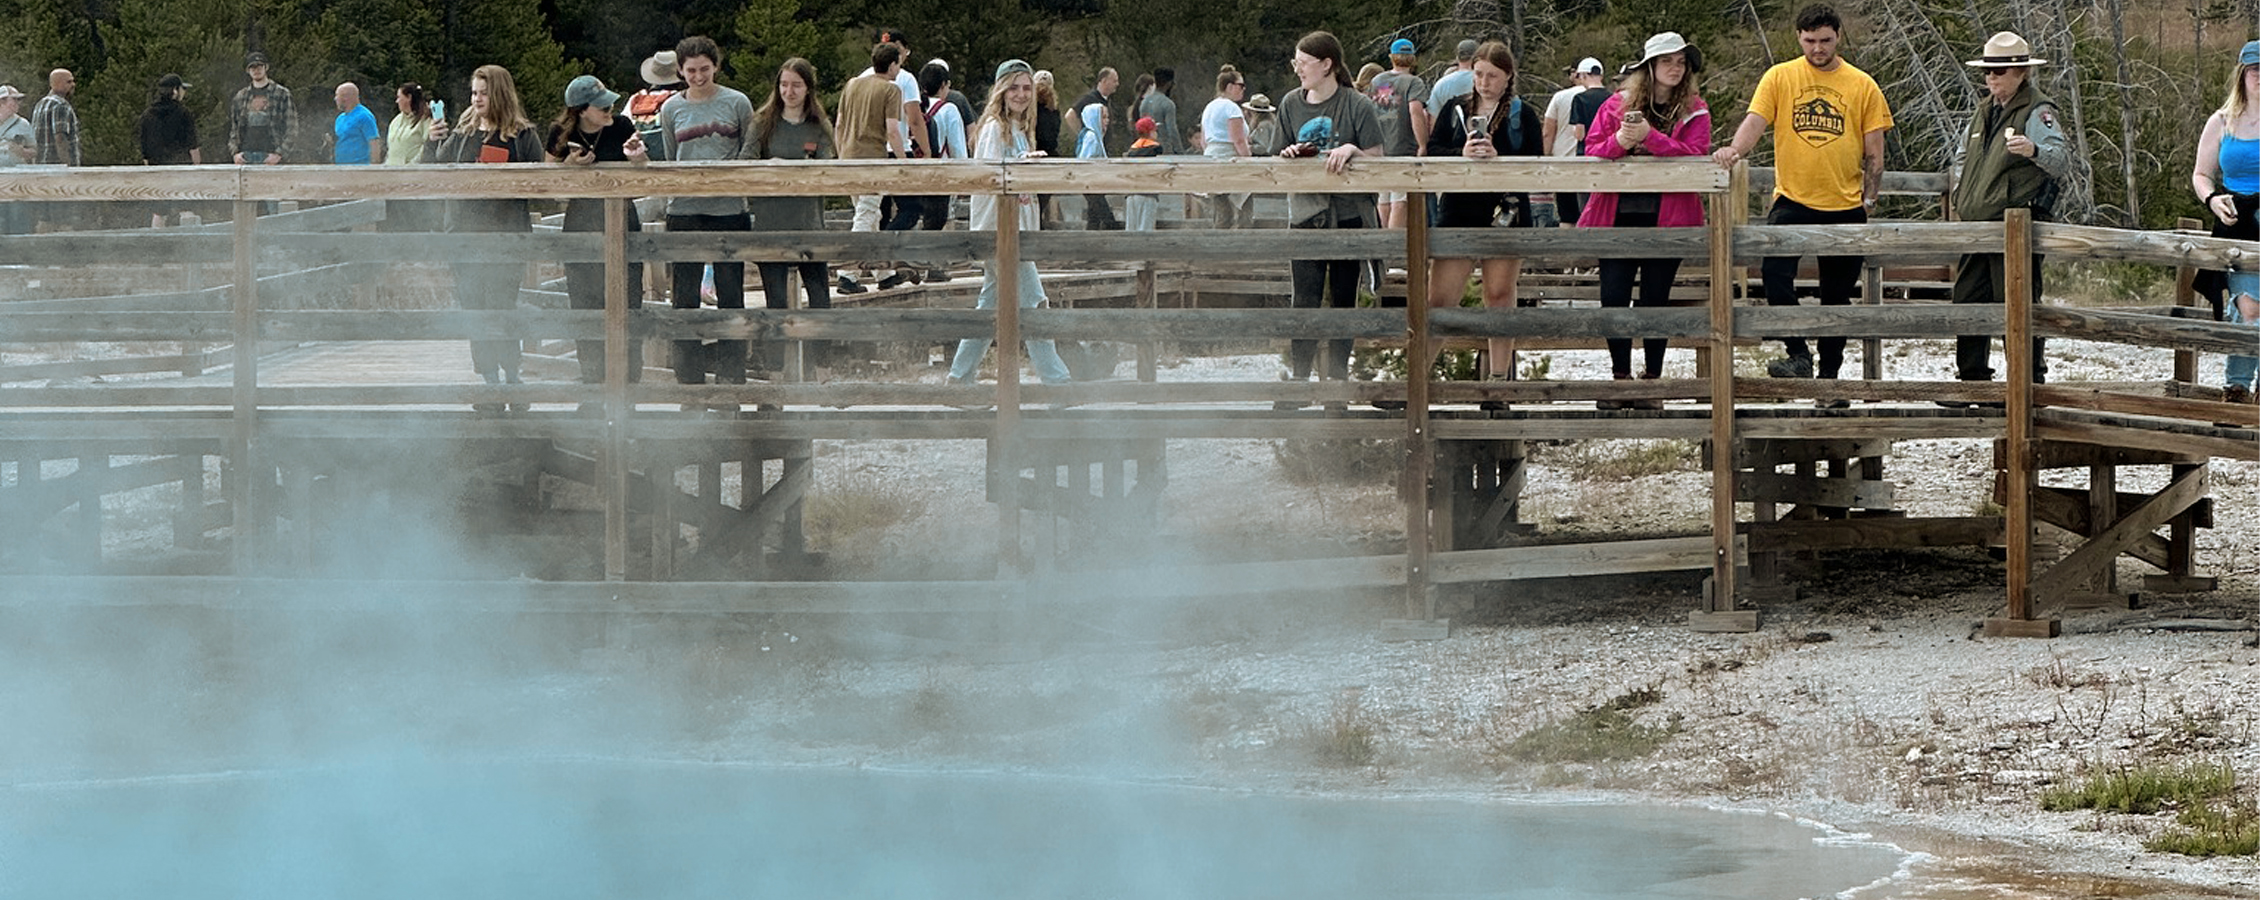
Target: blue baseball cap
x=2250, y=55
x=1401, y=45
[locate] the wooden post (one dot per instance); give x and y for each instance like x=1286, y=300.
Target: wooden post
x=612, y=458
x=1147, y=299
x=1718, y=612
x=2102, y=513
x=2185, y=294
x=1420, y=453
x=1871, y=349
x=2018, y=620
x=1005, y=437
x=242, y=485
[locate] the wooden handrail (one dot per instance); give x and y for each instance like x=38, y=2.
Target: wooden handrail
x=795, y=178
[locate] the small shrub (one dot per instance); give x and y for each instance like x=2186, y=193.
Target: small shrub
x=1537, y=367
x=2143, y=789
x=2060, y=675
x=2106, y=283
x=1621, y=460
x=1347, y=737
x=1603, y=733
x=1339, y=462
x=840, y=514
x=2204, y=830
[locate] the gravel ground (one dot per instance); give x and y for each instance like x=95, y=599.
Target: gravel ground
x=1871, y=702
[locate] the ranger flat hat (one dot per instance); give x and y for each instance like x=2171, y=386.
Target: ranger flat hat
x=2006, y=48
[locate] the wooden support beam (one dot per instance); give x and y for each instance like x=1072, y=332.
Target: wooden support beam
x=244, y=474
x=612, y=482
x=1005, y=452
x=1721, y=593
x=1848, y=493
x=1873, y=533
x=2018, y=472
x=1769, y=452
x=1420, y=448
x=2104, y=547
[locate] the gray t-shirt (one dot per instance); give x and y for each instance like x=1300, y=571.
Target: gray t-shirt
x=791, y=140
x=1348, y=117
x=1394, y=93
x=719, y=127
x=16, y=132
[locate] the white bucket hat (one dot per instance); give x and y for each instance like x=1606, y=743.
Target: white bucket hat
x=660, y=69
x=1665, y=44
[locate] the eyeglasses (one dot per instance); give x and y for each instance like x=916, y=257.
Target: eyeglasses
x=1999, y=70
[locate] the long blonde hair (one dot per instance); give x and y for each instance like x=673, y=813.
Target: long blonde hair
x=503, y=107
x=2237, y=102
x=1015, y=125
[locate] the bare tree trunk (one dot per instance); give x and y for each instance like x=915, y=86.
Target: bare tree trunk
x=1516, y=34
x=2118, y=10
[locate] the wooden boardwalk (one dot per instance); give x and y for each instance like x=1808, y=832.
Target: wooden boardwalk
x=300, y=430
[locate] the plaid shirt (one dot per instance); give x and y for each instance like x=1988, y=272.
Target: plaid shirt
x=54, y=130
x=280, y=118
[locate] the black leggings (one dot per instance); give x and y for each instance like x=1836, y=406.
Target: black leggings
x=1330, y=283
x=1655, y=277
x=814, y=282
x=694, y=359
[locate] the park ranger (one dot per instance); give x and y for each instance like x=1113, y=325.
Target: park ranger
x=2014, y=155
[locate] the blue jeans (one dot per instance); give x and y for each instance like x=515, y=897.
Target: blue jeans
x=1049, y=366
x=2242, y=286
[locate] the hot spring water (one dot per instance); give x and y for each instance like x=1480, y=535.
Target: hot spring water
x=581, y=829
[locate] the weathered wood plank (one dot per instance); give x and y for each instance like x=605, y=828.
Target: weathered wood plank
x=1571, y=560
x=2163, y=248
x=2145, y=330
x=847, y=177
x=2079, y=455
x=2062, y=425
x=1751, y=453
x=1874, y=533
x=1272, y=175
x=1905, y=240
x=1894, y=184
x=2244, y=414
x=122, y=183
x=1849, y=493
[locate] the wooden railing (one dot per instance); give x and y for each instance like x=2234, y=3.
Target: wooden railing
x=1728, y=241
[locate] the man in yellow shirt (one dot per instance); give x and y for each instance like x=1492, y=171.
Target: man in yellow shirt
x=1828, y=120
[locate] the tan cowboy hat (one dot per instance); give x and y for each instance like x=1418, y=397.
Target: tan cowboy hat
x=1259, y=103
x=660, y=69
x=2006, y=49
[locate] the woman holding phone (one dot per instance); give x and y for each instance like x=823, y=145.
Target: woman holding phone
x=1484, y=124
x=493, y=130
x=1659, y=113
x=588, y=132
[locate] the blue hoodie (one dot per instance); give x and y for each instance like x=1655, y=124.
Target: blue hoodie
x=1091, y=145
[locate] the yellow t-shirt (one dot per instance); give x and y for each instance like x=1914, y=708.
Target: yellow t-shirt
x=1820, y=120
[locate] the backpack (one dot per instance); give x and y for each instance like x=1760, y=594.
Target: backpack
x=933, y=134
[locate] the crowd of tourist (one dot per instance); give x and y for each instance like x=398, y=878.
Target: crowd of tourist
x=1825, y=117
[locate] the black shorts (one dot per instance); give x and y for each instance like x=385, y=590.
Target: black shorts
x=1483, y=210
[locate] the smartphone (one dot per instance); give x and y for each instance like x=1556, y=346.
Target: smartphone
x=439, y=110
x=1479, y=127
x=1635, y=117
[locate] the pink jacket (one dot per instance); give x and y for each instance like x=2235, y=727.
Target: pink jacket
x=1690, y=136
